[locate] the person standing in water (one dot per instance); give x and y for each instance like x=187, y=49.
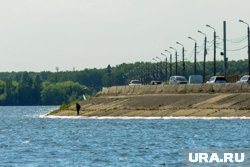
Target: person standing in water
x=78, y=107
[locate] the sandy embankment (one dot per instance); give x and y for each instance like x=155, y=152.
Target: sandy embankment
x=227, y=100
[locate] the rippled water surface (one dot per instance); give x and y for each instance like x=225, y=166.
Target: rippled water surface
x=28, y=140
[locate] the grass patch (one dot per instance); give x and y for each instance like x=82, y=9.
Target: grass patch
x=54, y=112
x=64, y=106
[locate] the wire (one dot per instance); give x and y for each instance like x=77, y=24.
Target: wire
x=237, y=49
x=232, y=50
x=235, y=40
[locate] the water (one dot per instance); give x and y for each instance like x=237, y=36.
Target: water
x=29, y=140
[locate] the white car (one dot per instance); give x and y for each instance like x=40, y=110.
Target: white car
x=217, y=79
x=244, y=79
x=177, y=80
x=134, y=82
x=155, y=82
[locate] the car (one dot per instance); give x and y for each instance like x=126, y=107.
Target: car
x=177, y=80
x=217, y=79
x=155, y=82
x=244, y=79
x=134, y=82
x=195, y=79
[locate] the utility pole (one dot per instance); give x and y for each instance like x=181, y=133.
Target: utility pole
x=214, y=48
x=195, y=58
x=170, y=65
x=170, y=70
x=176, y=64
x=215, y=70
x=166, y=66
x=205, y=54
x=157, y=71
x=183, y=62
x=161, y=67
x=195, y=53
x=166, y=70
x=248, y=37
x=225, y=48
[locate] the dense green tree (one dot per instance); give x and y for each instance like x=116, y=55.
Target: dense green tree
x=25, y=90
x=37, y=88
x=2, y=87
x=107, y=78
x=2, y=92
x=62, y=92
x=53, y=96
x=11, y=93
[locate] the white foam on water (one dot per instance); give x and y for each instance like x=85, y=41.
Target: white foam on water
x=144, y=118
x=25, y=142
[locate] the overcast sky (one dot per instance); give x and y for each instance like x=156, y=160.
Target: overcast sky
x=39, y=35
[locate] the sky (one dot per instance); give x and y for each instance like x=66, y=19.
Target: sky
x=40, y=35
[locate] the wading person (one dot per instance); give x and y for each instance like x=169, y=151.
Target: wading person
x=78, y=107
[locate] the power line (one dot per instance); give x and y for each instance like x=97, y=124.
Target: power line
x=232, y=50
x=235, y=40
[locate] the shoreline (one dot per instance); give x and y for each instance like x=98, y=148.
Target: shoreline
x=144, y=118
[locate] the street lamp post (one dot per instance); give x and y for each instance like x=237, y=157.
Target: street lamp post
x=176, y=63
x=205, y=54
x=170, y=70
x=161, y=66
x=214, y=47
x=195, y=53
x=248, y=36
x=166, y=66
x=157, y=72
x=142, y=72
x=183, y=62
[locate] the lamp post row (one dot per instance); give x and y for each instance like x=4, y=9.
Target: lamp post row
x=205, y=53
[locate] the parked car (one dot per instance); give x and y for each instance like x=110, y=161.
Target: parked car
x=177, y=80
x=217, y=79
x=155, y=82
x=244, y=79
x=195, y=79
x=134, y=82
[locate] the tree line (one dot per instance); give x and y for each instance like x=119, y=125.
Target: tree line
x=55, y=88
x=33, y=91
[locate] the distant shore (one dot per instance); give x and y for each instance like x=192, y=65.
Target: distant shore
x=110, y=103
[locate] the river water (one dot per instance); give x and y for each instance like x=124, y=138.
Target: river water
x=27, y=139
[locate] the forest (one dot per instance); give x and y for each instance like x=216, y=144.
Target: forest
x=62, y=87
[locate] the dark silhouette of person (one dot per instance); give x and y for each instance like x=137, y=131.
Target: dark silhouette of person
x=78, y=107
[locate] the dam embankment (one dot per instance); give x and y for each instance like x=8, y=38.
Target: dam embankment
x=204, y=100
x=176, y=89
